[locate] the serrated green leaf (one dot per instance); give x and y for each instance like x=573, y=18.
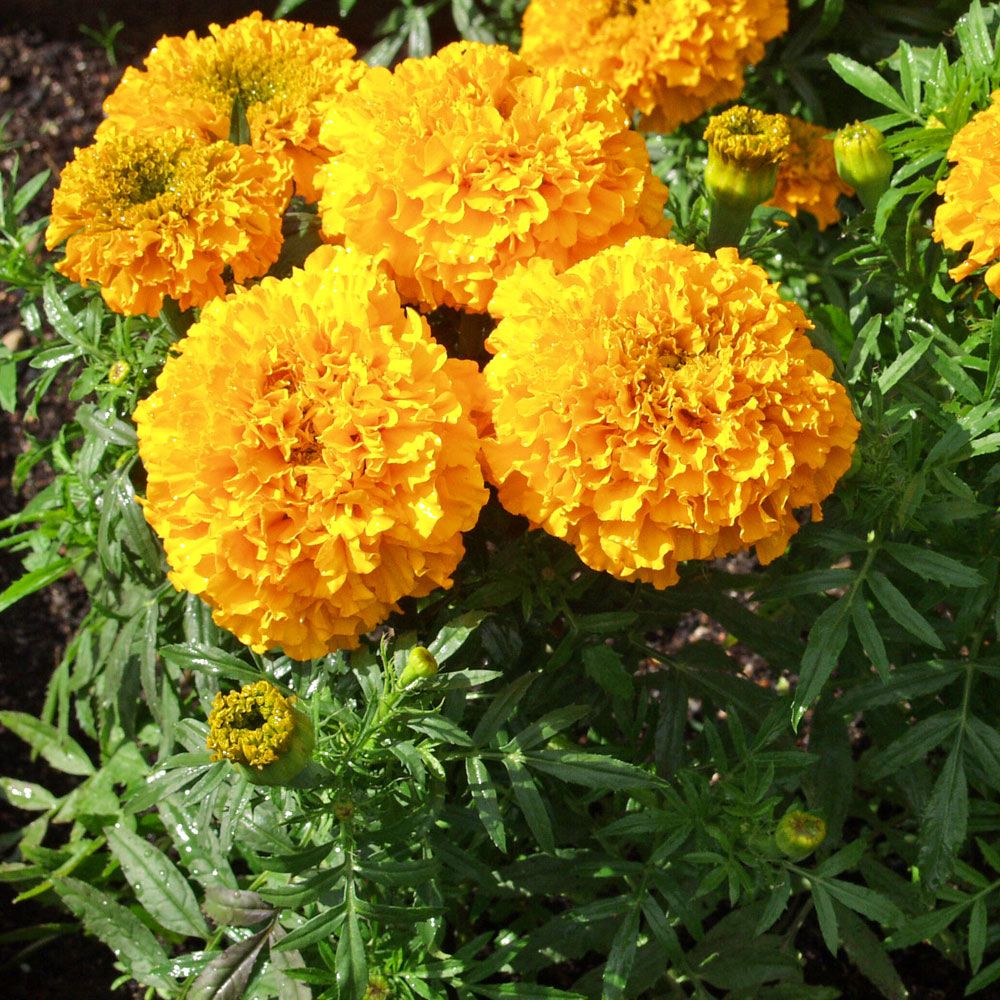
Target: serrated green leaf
x=945, y=822
x=484, y=795
x=37, y=579
x=590, y=769
x=352, y=962
x=827, y=917
x=604, y=666
x=826, y=640
x=863, y=900
x=200, y=657
x=777, y=903
x=542, y=730
x=866, y=951
x=977, y=933
x=918, y=740
x=117, y=927
x=61, y=751
x=934, y=565
x=987, y=977
x=27, y=795
x=501, y=708
x=900, y=609
x=621, y=956
x=236, y=907
x=157, y=882
x=530, y=803
x=453, y=635
x=868, y=82
x=871, y=638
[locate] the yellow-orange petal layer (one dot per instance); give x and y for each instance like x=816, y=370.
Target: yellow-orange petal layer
x=462, y=166
x=162, y=214
x=671, y=60
x=285, y=73
x=309, y=460
x=655, y=404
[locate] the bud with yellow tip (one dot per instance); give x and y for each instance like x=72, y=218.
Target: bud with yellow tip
x=745, y=148
x=420, y=663
x=799, y=833
x=863, y=161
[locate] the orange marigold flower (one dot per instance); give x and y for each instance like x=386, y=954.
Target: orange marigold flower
x=465, y=164
x=971, y=210
x=284, y=72
x=164, y=214
x=309, y=461
x=655, y=404
x=807, y=178
x=671, y=60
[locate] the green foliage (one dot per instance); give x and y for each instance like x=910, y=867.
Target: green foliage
x=574, y=806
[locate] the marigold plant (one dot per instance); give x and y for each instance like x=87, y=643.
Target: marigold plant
x=655, y=404
x=463, y=165
x=807, y=177
x=284, y=73
x=309, y=463
x=971, y=210
x=156, y=214
x=671, y=60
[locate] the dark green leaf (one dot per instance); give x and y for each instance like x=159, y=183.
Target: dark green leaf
x=934, y=565
x=484, y=794
x=500, y=709
x=35, y=580
x=227, y=975
x=61, y=751
x=826, y=640
x=868, y=82
x=352, y=963
x=590, y=769
x=901, y=610
x=945, y=822
x=621, y=957
x=236, y=907
x=157, y=882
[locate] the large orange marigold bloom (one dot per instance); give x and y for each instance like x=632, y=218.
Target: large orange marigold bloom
x=672, y=60
x=971, y=209
x=465, y=164
x=655, y=404
x=807, y=178
x=309, y=461
x=164, y=214
x=284, y=72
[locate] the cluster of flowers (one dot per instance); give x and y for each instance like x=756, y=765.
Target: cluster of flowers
x=313, y=454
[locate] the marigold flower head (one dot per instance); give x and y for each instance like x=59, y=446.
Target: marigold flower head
x=161, y=214
x=654, y=404
x=284, y=72
x=971, y=210
x=309, y=462
x=261, y=731
x=460, y=166
x=671, y=60
x=807, y=177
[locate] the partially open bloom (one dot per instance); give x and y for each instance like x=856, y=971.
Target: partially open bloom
x=807, y=177
x=309, y=462
x=745, y=149
x=672, y=60
x=159, y=214
x=262, y=732
x=284, y=72
x=971, y=209
x=863, y=161
x=654, y=404
x=461, y=166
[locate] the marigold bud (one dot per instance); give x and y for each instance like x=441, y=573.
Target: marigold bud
x=799, y=833
x=262, y=732
x=420, y=663
x=745, y=148
x=118, y=371
x=863, y=161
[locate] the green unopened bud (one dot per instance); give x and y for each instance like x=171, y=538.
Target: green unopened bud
x=799, y=834
x=118, y=371
x=262, y=732
x=863, y=161
x=420, y=663
x=745, y=149
x=378, y=988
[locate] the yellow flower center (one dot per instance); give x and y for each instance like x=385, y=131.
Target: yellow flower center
x=252, y=726
x=256, y=78
x=748, y=136
x=142, y=177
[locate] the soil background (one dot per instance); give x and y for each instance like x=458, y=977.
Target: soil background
x=53, y=80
